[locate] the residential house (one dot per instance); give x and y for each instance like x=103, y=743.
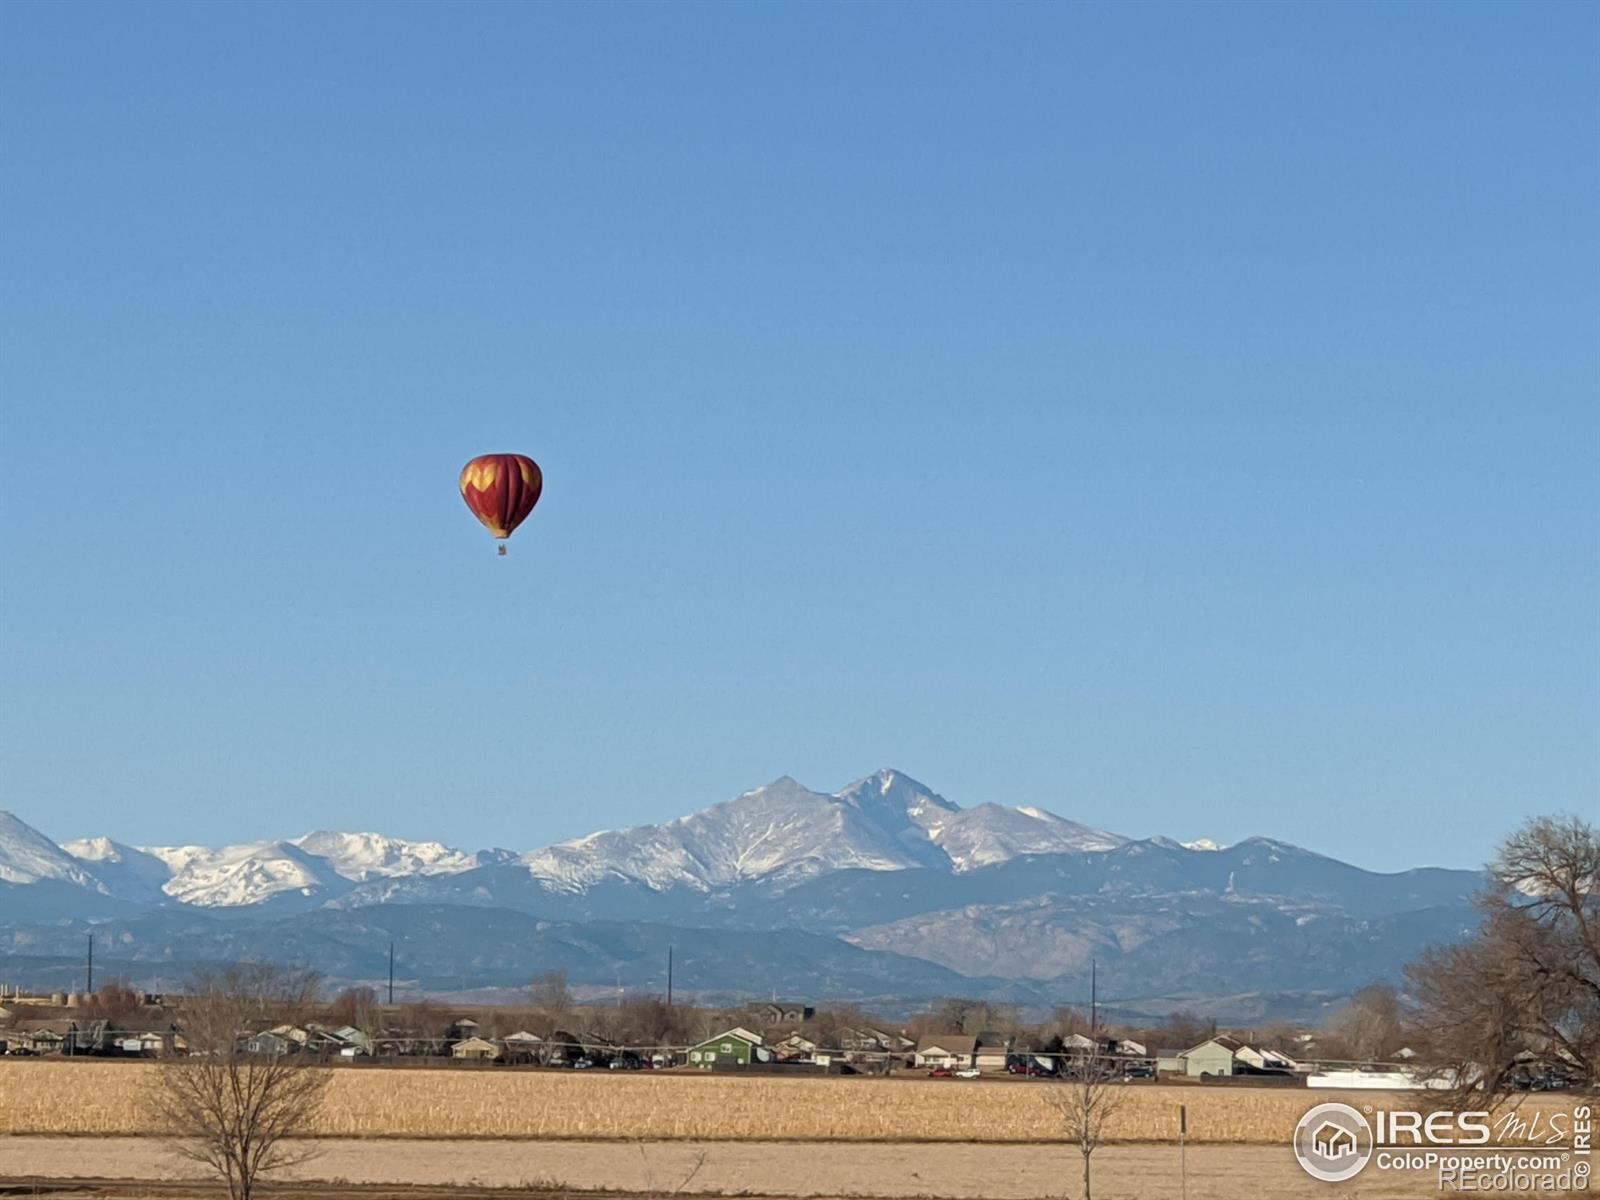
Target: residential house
x=323, y=1043
x=1246, y=1055
x=1214, y=1056
x=92, y=1037
x=600, y=1048
x=868, y=1039
x=783, y=1012
x=267, y=1044
x=475, y=1048
x=1170, y=1061
x=37, y=1036
x=351, y=1041
x=1248, y=1059
x=795, y=1048
x=143, y=1045
x=408, y=1040
x=734, y=1047
x=1276, y=1060
x=522, y=1046
x=992, y=1051
x=562, y=1047
x=953, y=1050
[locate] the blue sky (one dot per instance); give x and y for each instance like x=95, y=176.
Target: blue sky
x=1181, y=417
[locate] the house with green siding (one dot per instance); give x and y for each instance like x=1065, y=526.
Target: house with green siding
x=737, y=1047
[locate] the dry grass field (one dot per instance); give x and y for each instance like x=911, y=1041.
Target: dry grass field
x=400, y=1169
x=87, y=1097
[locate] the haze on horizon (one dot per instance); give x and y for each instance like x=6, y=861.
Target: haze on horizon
x=1178, y=418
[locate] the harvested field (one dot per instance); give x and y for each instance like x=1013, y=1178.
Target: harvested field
x=83, y=1097
x=573, y=1170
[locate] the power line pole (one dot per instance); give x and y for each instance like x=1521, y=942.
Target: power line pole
x=391, y=971
x=88, y=981
x=1094, y=998
x=669, y=975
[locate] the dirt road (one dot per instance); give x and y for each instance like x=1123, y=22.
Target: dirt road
x=774, y=1169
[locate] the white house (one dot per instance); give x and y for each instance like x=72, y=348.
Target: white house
x=953, y=1050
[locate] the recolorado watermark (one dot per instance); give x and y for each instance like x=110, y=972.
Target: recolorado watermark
x=1463, y=1151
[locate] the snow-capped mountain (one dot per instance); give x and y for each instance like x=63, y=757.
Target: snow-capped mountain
x=363, y=856
x=123, y=871
x=785, y=833
x=27, y=856
x=314, y=868
x=882, y=889
x=245, y=874
x=781, y=834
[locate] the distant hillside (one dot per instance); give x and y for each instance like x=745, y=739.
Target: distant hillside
x=884, y=891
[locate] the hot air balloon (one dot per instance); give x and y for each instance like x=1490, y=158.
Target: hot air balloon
x=501, y=490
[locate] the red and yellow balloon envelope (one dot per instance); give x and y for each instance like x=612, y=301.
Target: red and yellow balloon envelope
x=501, y=490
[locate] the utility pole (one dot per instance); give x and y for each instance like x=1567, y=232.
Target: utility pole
x=88, y=982
x=669, y=975
x=1094, y=998
x=391, y=972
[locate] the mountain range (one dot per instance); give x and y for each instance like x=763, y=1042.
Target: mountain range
x=884, y=892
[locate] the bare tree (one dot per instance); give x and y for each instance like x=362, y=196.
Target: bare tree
x=553, y=998
x=115, y=1003
x=358, y=1008
x=224, y=1106
x=1184, y=1029
x=1087, y=1099
x=426, y=1026
x=1525, y=992
x=1369, y=1026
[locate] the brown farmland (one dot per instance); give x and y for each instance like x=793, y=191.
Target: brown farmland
x=86, y=1097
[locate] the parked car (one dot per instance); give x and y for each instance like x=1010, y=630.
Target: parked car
x=1138, y=1071
x=1548, y=1081
x=941, y=1073
x=968, y=1073
x=582, y=1064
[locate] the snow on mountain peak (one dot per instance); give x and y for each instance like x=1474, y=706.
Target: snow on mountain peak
x=1202, y=844
x=994, y=833
x=98, y=849
x=785, y=832
x=243, y=874
x=782, y=833
x=126, y=872
x=893, y=791
x=363, y=856
x=27, y=856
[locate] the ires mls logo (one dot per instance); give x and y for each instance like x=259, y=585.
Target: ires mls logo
x=1333, y=1142
x=1541, y=1151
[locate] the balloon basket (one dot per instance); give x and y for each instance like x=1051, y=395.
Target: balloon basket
x=501, y=549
